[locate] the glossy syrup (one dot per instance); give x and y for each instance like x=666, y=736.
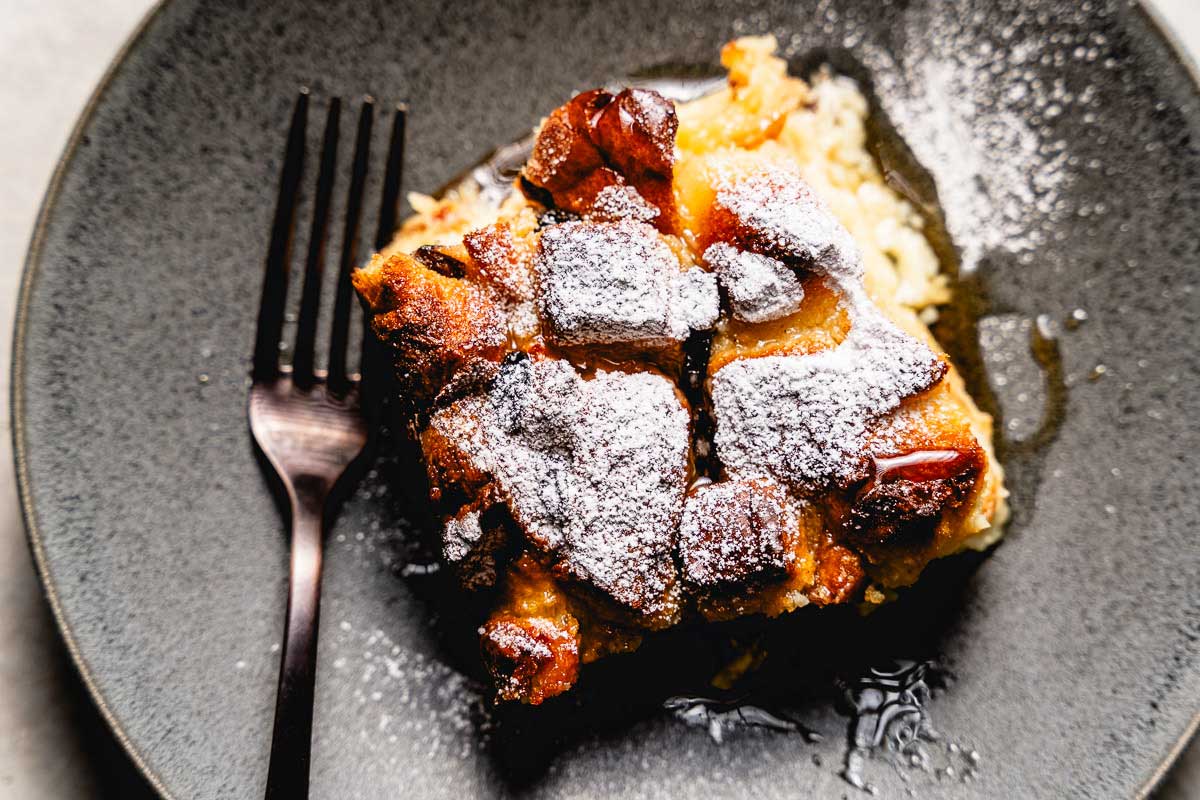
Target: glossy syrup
x=919, y=466
x=891, y=723
x=723, y=717
x=496, y=174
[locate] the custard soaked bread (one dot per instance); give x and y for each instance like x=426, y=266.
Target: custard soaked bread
x=681, y=374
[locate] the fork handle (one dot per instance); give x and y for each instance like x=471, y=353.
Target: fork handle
x=291, y=741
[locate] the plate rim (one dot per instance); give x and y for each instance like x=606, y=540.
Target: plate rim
x=32, y=264
x=29, y=270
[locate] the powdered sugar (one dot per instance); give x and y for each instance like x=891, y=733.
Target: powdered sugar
x=696, y=305
x=734, y=531
x=470, y=546
x=605, y=283
x=406, y=698
x=593, y=471
x=617, y=202
x=461, y=535
x=988, y=199
x=513, y=638
x=803, y=420
x=775, y=213
x=759, y=288
x=981, y=115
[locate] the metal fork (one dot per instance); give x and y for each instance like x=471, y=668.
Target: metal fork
x=312, y=426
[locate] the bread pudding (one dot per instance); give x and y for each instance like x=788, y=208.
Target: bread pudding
x=681, y=373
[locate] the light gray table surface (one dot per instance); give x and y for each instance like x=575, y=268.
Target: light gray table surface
x=52, y=744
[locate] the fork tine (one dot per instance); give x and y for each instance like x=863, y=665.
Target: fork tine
x=275, y=279
x=310, y=301
x=388, y=208
x=337, y=381
x=393, y=177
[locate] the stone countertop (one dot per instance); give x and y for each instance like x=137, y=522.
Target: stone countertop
x=53, y=745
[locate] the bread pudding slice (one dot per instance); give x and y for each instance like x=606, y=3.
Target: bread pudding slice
x=680, y=374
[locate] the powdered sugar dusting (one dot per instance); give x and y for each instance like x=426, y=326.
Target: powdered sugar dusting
x=803, y=420
x=593, y=471
x=990, y=197
x=392, y=704
x=461, y=535
x=606, y=283
x=697, y=304
x=983, y=115
x=759, y=288
x=513, y=638
x=775, y=213
x=733, y=531
x=617, y=202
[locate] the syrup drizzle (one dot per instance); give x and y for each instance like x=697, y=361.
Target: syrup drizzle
x=918, y=466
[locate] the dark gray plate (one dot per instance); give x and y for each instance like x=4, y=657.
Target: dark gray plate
x=1063, y=140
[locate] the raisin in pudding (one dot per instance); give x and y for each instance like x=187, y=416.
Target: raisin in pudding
x=681, y=373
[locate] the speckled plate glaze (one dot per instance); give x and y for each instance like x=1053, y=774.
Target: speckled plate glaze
x=1062, y=140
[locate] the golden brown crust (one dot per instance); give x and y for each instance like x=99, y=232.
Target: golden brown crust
x=500, y=258
x=839, y=574
x=755, y=550
x=530, y=644
x=907, y=493
x=564, y=153
x=820, y=323
x=926, y=513
x=433, y=323
x=736, y=533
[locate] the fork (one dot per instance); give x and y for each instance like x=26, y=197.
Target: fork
x=313, y=426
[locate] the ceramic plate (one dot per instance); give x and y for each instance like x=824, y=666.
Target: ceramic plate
x=1061, y=141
